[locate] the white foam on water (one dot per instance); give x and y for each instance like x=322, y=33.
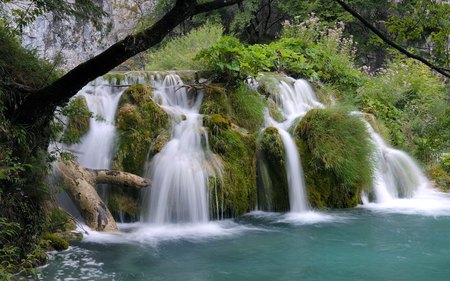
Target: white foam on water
x=154, y=234
x=310, y=217
x=425, y=202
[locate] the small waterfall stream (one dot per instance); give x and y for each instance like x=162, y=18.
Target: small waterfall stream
x=396, y=175
x=294, y=101
x=96, y=147
x=180, y=172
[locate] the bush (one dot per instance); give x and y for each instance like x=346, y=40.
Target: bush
x=77, y=125
x=336, y=149
x=413, y=105
x=55, y=241
x=315, y=53
x=178, y=53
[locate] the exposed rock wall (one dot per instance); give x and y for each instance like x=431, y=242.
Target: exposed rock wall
x=73, y=41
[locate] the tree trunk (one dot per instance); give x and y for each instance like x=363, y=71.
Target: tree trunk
x=80, y=186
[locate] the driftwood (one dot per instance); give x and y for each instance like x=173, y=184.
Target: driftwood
x=80, y=186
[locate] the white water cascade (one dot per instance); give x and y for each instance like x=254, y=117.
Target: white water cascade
x=294, y=101
x=396, y=175
x=180, y=172
x=96, y=147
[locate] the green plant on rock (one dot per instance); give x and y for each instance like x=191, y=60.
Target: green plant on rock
x=179, y=53
x=336, y=153
x=140, y=121
x=124, y=203
x=413, y=104
x=236, y=191
x=78, y=115
x=248, y=107
x=55, y=242
x=273, y=190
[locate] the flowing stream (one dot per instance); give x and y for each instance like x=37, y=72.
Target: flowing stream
x=96, y=147
x=401, y=235
x=180, y=172
x=294, y=100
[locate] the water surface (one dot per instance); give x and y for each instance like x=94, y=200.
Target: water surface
x=355, y=244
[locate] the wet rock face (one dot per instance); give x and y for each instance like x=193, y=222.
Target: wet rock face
x=72, y=41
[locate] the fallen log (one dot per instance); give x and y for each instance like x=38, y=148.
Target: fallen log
x=80, y=186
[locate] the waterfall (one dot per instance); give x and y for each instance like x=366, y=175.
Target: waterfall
x=180, y=172
x=396, y=175
x=294, y=101
x=96, y=147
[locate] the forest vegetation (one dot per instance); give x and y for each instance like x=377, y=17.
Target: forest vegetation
x=348, y=65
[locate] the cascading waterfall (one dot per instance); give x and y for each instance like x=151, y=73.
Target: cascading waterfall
x=396, y=175
x=180, y=172
x=294, y=101
x=96, y=147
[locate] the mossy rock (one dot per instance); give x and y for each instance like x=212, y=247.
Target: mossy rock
x=273, y=189
x=236, y=191
x=140, y=121
x=124, y=203
x=215, y=101
x=77, y=122
x=55, y=242
x=336, y=151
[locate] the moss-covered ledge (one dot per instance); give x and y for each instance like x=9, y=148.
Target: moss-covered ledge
x=235, y=193
x=139, y=121
x=336, y=151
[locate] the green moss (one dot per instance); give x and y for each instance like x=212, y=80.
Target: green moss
x=115, y=78
x=140, y=121
x=248, y=107
x=78, y=115
x=273, y=190
x=215, y=101
x=124, y=203
x=236, y=191
x=335, y=149
x=55, y=241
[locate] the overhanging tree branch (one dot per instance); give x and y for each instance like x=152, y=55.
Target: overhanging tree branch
x=58, y=93
x=390, y=42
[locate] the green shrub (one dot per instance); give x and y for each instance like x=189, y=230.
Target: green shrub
x=179, y=53
x=327, y=57
x=55, y=241
x=412, y=103
x=78, y=115
x=335, y=146
x=248, y=107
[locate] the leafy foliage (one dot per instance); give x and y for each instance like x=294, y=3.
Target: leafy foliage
x=78, y=120
x=320, y=54
x=413, y=104
x=178, y=53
